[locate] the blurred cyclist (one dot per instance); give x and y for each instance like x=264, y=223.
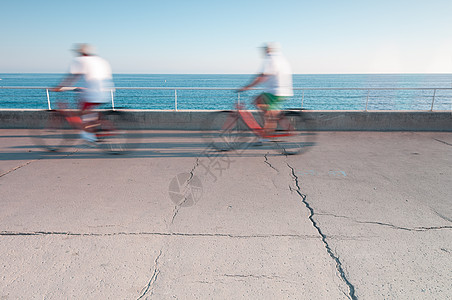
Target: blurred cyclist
x=94, y=74
x=276, y=76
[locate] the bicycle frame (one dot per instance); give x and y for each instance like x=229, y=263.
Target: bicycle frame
x=71, y=116
x=257, y=129
x=75, y=121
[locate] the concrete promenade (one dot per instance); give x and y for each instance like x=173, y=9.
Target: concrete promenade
x=195, y=120
x=362, y=215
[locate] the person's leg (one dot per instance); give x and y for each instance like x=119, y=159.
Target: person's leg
x=272, y=113
x=89, y=117
x=261, y=102
x=89, y=121
x=271, y=120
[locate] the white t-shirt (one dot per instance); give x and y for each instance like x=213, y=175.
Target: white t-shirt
x=97, y=78
x=279, y=81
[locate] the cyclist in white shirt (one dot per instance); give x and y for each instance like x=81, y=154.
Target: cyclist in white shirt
x=276, y=76
x=95, y=76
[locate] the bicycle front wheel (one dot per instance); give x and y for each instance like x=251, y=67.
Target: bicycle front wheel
x=295, y=133
x=225, y=131
x=56, y=134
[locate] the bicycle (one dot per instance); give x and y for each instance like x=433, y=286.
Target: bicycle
x=295, y=132
x=62, y=127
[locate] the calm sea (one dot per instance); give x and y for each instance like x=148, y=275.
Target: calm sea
x=310, y=97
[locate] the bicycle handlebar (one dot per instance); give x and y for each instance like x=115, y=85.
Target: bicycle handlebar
x=68, y=88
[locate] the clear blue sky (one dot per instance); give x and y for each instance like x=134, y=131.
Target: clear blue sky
x=194, y=36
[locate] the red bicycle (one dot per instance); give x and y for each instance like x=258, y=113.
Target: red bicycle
x=62, y=128
x=241, y=128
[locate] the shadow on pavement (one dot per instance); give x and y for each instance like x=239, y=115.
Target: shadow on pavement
x=144, y=144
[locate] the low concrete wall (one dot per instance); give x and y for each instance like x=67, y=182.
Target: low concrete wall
x=324, y=120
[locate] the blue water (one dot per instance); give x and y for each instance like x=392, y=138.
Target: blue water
x=224, y=99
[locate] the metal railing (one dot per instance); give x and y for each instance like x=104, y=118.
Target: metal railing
x=433, y=92
x=375, y=89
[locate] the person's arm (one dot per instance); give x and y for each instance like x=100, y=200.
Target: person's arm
x=68, y=81
x=257, y=80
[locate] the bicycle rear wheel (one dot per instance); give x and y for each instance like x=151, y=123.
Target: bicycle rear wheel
x=295, y=133
x=56, y=134
x=113, y=134
x=225, y=131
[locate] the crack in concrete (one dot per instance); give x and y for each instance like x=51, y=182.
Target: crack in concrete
x=244, y=277
x=18, y=167
x=438, y=140
x=153, y=278
x=175, y=234
x=339, y=268
x=178, y=207
x=420, y=228
x=29, y=162
x=441, y=216
x=252, y=276
x=268, y=163
x=175, y=212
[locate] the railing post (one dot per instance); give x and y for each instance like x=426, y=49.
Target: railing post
x=433, y=100
x=112, y=99
x=302, y=99
x=238, y=98
x=48, y=99
x=367, y=99
x=175, y=100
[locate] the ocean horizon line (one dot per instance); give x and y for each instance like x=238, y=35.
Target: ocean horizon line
x=128, y=73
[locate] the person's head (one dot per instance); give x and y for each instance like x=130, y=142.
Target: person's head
x=84, y=49
x=271, y=47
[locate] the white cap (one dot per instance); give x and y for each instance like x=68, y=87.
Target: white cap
x=272, y=46
x=84, y=49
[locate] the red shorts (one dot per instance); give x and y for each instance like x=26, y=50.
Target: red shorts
x=88, y=105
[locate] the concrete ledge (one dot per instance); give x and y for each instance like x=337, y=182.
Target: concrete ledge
x=384, y=120
x=324, y=120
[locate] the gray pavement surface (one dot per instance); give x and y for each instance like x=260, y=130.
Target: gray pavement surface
x=362, y=215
